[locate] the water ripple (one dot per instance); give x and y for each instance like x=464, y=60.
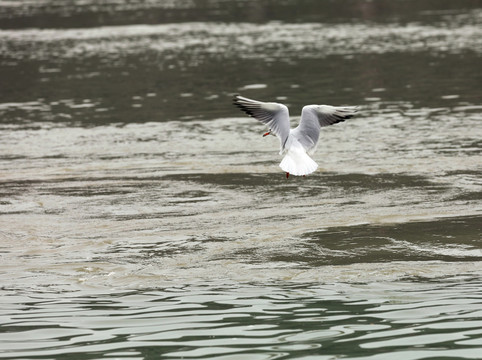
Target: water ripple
x=269, y=321
x=265, y=41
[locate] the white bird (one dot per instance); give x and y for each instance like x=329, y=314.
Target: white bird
x=298, y=143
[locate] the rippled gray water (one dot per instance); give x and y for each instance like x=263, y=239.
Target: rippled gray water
x=142, y=216
x=406, y=320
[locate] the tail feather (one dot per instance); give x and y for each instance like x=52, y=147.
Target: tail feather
x=297, y=162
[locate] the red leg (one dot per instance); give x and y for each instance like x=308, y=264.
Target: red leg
x=287, y=175
x=266, y=134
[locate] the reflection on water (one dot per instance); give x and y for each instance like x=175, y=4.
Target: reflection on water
x=433, y=319
x=91, y=13
x=142, y=217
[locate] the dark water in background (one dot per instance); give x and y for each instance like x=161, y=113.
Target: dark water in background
x=142, y=216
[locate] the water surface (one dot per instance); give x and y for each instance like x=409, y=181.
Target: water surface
x=143, y=216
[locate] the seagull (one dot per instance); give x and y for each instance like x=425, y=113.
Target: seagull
x=295, y=144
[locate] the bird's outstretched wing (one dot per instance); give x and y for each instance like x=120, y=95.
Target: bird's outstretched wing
x=274, y=115
x=314, y=117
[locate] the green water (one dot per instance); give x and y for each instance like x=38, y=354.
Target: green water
x=142, y=216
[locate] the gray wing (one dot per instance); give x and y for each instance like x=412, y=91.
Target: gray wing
x=274, y=115
x=314, y=117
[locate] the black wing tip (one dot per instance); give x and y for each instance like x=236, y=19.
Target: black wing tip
x=236, y=97
x=242, y=108
x=340, y=116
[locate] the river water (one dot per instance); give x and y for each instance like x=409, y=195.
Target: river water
x=142, y=216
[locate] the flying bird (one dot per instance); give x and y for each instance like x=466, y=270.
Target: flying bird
x=299, y=143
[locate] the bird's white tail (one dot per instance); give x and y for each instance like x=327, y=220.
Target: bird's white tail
x=297, y=162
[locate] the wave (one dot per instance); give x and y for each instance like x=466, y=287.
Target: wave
x=243, y=40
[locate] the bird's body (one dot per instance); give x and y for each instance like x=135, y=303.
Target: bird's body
x=298, y=143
